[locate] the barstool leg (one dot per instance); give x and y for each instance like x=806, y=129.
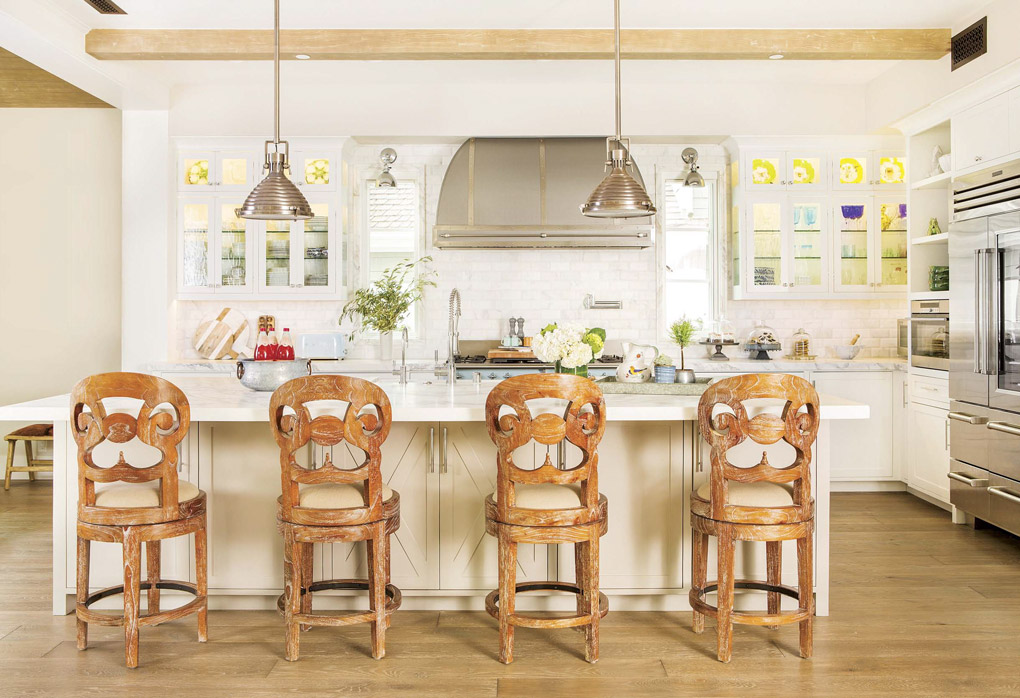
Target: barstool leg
x=507, y=590
x=377, y=554
x=579, y=577
x=292, y=594
x=774, y=563
x=132, y=595
x=29, y=460
x=152, y=550
x=82, y=588
x=202, y=579
x=307, y=573
x=700, y=574
x=805, y=572
x=725, y=595
x=10, y=464
x=591, y=590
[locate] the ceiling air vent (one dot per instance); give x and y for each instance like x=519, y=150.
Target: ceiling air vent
x=105, y=7
x=970, y=43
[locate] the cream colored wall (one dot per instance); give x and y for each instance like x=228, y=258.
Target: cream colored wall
x=60, y=232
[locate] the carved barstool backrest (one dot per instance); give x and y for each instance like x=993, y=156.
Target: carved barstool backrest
x=797, y=426
x=162, y=422
x=365, y=424
x=583, y=423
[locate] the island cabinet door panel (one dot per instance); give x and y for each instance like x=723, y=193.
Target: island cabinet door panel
x=862, y=449
x=410, y=468
x=107, y=562
x=642, y=477
x=467, y=466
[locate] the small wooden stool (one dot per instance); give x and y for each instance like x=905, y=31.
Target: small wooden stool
x=33, y=465
x=547, y=504
x=759, y=503
x=332, y=505
x=152, y=506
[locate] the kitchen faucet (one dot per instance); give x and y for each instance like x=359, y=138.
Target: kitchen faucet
x=454, y=341
x=402, y=371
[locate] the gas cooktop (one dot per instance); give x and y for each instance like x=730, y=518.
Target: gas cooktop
x=468, y=366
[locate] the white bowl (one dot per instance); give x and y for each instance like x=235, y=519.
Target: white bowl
x=946, y=162
x=847, y=351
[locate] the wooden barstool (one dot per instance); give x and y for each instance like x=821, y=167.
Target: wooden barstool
x=330, y=505
x=758, y=503
x=28, y=435
x=547, y=504
x=153, y=504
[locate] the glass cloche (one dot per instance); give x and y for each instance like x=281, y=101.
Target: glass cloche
x=761, y=340
x=802, y=346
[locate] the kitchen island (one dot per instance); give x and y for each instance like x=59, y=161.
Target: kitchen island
x=439, y=458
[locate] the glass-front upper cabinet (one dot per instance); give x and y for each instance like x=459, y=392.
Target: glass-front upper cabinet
x=792, y=170
x=216, y=170
x=851, y=170
x=213, y=246
x=890, y=170
x=300, y=256
x=315, y=170
x=807, y=247
x=765, y=247
x=852, y=228
x=766, y=171
x=892, y=244
x=805, y=170
x=277, y=248
x=318, y=260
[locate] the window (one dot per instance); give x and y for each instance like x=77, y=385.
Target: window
x=688, y=241
x=393, y=229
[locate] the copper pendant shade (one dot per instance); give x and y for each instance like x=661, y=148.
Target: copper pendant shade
x=619, y=195
x=276, y=197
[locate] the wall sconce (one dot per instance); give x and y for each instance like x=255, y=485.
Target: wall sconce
x=693, y=178
x=388, y=156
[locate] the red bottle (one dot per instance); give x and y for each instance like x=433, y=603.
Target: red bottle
x=286, y=351
x=262, y=347
x=273, y=348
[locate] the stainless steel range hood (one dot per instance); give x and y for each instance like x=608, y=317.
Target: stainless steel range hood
x=527, y=192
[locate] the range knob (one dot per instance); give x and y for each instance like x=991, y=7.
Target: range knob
x=492, y=375
x=507, y=374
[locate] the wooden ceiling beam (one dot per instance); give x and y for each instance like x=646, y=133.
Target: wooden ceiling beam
x=517, y=44
x=24, y=85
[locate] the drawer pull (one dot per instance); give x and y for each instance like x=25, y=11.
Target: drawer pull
x=968, y=480
x=1005, y=428
x=1005, y=494
x=968, y=418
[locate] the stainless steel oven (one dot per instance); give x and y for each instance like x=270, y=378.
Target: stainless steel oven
x=929, y=334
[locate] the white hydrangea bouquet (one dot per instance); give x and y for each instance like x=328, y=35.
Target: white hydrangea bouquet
x=570, y=347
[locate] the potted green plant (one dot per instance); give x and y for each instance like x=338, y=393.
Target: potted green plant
x=665, y=369
x=682, y=333
x=384, y=305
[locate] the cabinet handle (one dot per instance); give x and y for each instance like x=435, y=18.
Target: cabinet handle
x=430, y=456
x=1004, y=493
x=946, y=434
x=785, y=284
x=1005, y=428
x=968, y=418
x=968, y=480
x=906, y=402
x=442, y=453
x=977, y=158
x=699, y=465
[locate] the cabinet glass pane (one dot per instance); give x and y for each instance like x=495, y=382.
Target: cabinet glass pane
x=196, y=244
x=317, y=247
x=277, y=253
x=891, y=170
x=233, y=247
x=893, y=240
x=806, y=171
x=735, y=245
x=853, y=170
x=196, y=171
x=852, y=224
x=807, y=244
x=314, y=170
x=235, y=171
x=767, y=244
x=764, y=171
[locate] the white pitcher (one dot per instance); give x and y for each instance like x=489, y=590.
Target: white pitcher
x=638, y=360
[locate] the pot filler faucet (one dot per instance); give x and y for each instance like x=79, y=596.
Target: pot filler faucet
x=454, y=341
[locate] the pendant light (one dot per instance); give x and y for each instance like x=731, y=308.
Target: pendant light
x=276, y=198
x=619, y=195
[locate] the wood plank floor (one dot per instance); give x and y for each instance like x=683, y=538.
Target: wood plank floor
x=920, y=607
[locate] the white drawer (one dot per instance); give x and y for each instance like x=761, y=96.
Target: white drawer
x=930, y=390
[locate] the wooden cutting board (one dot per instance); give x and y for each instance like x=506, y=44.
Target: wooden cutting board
x=223, y=336
x=510, y=354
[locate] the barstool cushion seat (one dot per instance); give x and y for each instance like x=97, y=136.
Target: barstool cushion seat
x=546, y=496
x=38, y=431
x=337, y=496
x=131, y=496
x=751, y=494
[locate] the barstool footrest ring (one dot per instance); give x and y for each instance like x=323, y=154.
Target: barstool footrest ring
x=531, y=621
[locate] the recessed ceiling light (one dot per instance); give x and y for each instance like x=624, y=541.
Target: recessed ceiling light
x=775, y=56
x=305, y=56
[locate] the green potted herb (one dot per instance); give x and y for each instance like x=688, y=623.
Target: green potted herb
x=665, y=369
x=681, y=332
x=384, y=305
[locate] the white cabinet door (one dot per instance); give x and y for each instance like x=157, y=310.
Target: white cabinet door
x=928, y=434
x=409, y=467
x=981, y=133
x=214, y=247
x=853, y=244
x=900, y=409
x=861, y=449
x=468, y=557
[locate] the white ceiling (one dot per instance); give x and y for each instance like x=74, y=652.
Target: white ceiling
x=453, y=14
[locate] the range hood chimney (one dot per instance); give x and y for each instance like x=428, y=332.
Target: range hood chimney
x=523, y=192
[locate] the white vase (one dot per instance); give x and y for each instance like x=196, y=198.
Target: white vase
x=386, y=346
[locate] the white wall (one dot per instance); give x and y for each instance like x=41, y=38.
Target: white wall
x=60, y=252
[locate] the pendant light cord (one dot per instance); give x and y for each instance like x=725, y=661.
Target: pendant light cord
x=275, y=68
x=616, y=35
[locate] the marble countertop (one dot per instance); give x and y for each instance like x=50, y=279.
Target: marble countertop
x=223, y=399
